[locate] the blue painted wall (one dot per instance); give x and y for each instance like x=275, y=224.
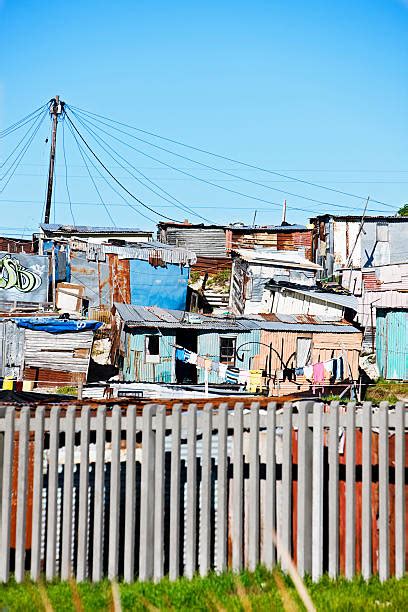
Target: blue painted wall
x=392, y=343
x=163, y=287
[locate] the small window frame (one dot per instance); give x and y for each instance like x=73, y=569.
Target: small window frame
x=227, y=353
x=152, y=357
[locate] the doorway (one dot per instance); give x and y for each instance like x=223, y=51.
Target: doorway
x=186, y=373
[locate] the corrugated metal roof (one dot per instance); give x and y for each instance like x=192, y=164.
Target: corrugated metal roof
x=89, y=229
x=348, y=301
x=291, y=259
x=142, y=250
x=153, y=317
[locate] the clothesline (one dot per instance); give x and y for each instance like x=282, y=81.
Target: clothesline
x=334, y=368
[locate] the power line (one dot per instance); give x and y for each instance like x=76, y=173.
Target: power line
x=66, y=174
x=99, y=139
x=109, y=184
x=19, y=124
x=92, y=179
x=27, y=133
x=21, y=155
x=112, y=176
x=234, y=191
x=230, y=159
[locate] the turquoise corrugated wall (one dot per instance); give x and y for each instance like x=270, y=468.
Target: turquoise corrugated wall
x=135, y=368
x=209, y=346
x=392, y=343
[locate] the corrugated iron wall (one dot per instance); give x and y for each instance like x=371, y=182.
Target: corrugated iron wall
x=12, y=349
x=209, y=346
x=206, y=242
x=135, y=367
x=392, y=343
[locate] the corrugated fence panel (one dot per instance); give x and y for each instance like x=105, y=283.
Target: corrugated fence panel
x=66, y=352
x=392, y=343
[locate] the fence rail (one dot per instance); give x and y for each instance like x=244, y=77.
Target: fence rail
x=116, y=494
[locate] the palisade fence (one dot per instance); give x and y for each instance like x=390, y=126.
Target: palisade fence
x=141, y=493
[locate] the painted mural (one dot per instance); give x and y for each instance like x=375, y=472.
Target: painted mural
x=23, y=278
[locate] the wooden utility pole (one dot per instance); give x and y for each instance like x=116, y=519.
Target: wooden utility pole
x=56, y=109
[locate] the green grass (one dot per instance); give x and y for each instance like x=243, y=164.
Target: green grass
x=385, y=390
x=256, y=591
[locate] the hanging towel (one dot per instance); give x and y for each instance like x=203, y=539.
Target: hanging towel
x=193, y=358
x=215, y=366
x=222, y=370
x=318, y=373
x=187, y=355
x=243, y=377
x=255, y=380
x=207, y=364
x=299, y=371
x=180, y=353
x=308, y=371
x=232, y=375
x=328, y=368
x=339, y=369
x=200, y=361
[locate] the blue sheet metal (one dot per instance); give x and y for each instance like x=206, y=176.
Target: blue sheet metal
x=57, y=326
x=392, y=343
x=165, y=287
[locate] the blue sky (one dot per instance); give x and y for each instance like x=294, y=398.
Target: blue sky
x=316, y=90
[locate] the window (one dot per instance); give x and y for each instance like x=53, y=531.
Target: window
x=227, y=350
x=152, y=349
x=303, y=351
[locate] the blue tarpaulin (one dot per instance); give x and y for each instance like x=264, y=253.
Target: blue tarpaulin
x=165, y=287
x=57, y=326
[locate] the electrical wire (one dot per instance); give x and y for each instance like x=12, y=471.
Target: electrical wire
x=235, y=161
x=92, y=179
x=234, y=191
x=18, y=145
x=66, y=173
x=109, y=184
x=112, y=176
x=22, y=154
x=180, y=205
x=18, y=124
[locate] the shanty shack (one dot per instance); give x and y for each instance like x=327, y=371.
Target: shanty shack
x=148, y=340
x=45, y=350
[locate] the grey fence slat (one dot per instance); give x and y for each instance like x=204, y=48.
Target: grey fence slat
x=83, y=534
x=191, y=520
x=237, y=502
x=286, y=514
x=317, y=492
x=254, y=490
x=350, y=565
x=50, y=569
x=175, y=493
x=23, y=439
x=130, y=495
x=222, y=488
x=304, y=500
x=37, y=493
x=383, y=486
x=158, y=567
x=269, y=548
x=66, y=549
x=334, y=490
x=114, y=503
x=97, y=556
x=6, y=494
x=146, y=551
x=400, y=542
x=366, y=535
x=204, y=561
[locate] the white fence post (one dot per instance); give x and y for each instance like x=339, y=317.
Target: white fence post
x=98, y=544
x=317, y=493
x=286, y=497
x=383, y=486
x=174, y=563
x=23, y=449
x=37, y=493
x=130, y=495
x=159, y=505
x=66, y=548
x=222, y=488
x=114, y=502
x=304, y=499
x=191, y=519
x=237, y=490
x=334, y=490
x=83, y=531
x=50, y=568
x=254, y=489
x=147, y=496
x=6, y=494
x=400, y=490
x=351, y=491
x=205, y=514
x=366, y=537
